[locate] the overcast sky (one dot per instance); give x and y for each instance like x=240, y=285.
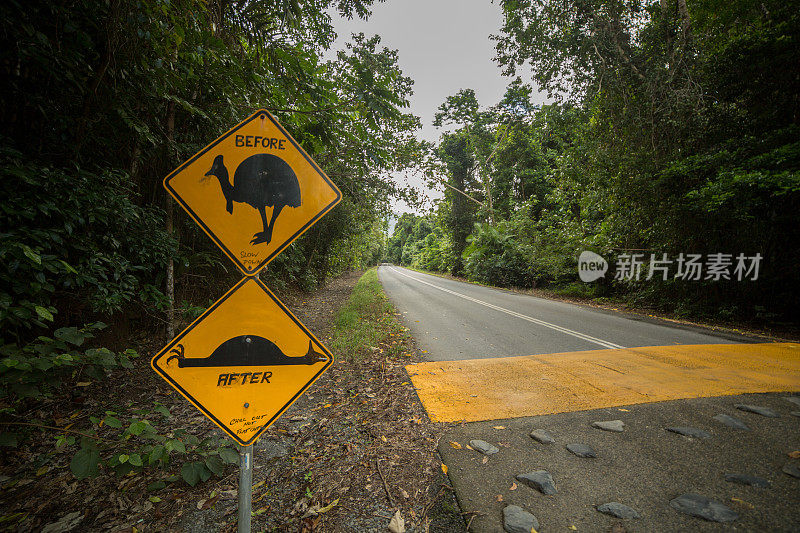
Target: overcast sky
x=443, y=46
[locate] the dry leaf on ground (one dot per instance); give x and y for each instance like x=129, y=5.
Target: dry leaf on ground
x=397, y=524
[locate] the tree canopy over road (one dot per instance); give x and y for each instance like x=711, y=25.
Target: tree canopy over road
x=675, y=129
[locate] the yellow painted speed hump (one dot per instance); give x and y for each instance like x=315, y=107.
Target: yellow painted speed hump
x=254, y=190
x=243, y=361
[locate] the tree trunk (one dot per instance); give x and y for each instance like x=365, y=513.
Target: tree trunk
x=170, y=225
x=683, y=11
x=489, y=201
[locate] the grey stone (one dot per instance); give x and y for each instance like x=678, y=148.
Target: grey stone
x=540, y=480
x=610, y=425
x=757, y=409
x=791, y=469
x=483, y=447
x=582, y=450
x=745, y=479
x=702, y=507
x=618, y=510
x=731, y=421
x=794, y=399
x=518, y=520
x=690, y=432
x=542, y=436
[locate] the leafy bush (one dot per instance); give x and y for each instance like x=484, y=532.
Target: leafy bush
x=72, y=239
x=41, y=367
x=47, y=366
x=495, y=256
x=125, y=445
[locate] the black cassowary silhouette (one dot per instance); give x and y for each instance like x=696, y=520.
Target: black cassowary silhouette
x=261, y=180
x=246, y=350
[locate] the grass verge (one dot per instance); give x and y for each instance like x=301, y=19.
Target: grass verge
x=368, y=322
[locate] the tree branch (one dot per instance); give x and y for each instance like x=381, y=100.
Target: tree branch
x=458, y=190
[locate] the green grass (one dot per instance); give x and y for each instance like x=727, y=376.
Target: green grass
x=367, y=321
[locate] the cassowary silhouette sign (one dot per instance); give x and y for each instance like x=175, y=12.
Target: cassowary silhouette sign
x=243, y=361
x=254, y=190
x=247, y=358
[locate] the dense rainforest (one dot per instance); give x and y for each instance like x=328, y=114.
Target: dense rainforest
x=101, y=99
x=671, y=148
x=673, y=131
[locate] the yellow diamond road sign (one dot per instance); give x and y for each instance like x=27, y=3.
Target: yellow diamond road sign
x=253, y=191
x=244, y=361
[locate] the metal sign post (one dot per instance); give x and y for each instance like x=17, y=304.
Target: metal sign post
x=254, y=190
x=245, y=487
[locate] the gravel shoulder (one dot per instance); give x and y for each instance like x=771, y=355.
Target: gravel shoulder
x=644, y=466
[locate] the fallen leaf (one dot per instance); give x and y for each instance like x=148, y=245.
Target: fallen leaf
x=66, y=523
x=330, y=506
x=485, y=459
x=200, y=503
x=455, y=445
x=405, y=494
x=795, y=454
x=444, y=469
x=384, y=439
x=83, y=383
x=397, y=524
x=513, y=486
x=743, y=503
x=573, y=528
x=467, y=446
x=624, y=410
x=499, y=497
x=498, y=427
x=43, y=470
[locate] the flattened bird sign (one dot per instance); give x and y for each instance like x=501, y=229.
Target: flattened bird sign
x=254, y=190
x=244, y=361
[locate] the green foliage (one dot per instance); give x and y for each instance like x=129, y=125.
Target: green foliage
x=675, y=131
x=134, y=444
x=71, y=234
x=495, y=256
x=42, y=367
x=47, y=366
x=101, y=100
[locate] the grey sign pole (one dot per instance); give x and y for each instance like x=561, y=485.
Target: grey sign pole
x=245, y=487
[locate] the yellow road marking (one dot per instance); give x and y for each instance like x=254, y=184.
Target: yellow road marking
x=496, y=388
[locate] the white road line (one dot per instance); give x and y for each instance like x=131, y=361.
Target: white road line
x=583, y=336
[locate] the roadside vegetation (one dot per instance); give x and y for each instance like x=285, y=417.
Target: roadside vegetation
x=101, y=100
x=359, y=448
x=368, y=323
x=674, y=129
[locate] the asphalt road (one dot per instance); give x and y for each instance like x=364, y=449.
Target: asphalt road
x=502, y=364
x=452, y=320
